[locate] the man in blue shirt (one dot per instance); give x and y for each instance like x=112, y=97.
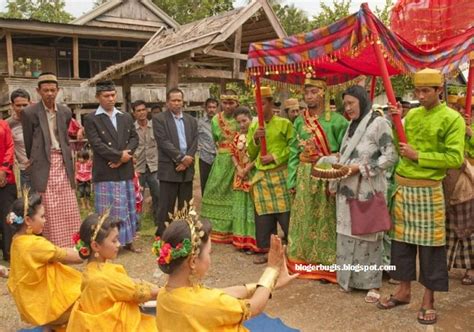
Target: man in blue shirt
x=177, y=137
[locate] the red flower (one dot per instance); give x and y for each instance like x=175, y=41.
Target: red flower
x=84, y=251
x=76, y=237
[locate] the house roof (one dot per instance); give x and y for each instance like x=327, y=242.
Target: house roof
x=127, y=14
x=206, y=36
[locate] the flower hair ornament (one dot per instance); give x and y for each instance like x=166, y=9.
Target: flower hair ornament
x=188, y=247
x=80, y=245
x=12, y=218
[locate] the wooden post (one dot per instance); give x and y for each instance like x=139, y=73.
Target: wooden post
x=237, y=49
x=222, y=87
x=172, y=75
x=75, y=56
x=126, y=93
x=9, y=42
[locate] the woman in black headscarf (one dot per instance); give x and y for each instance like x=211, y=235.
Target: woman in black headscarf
x=368, y=149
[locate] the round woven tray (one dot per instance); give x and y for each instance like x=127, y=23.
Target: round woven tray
x=336, y=172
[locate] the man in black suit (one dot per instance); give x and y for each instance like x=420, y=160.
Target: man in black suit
x=45, y=132
x=112, y=136
x=177, y=138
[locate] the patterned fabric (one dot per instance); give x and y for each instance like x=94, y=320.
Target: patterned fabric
x=120, y=197
x=238, y=149
x=269, y=191
x=217, y=199
x=418, y=215
x=243, y=225
x=460, y=252
x=60, y=204
x=312, y=233
x=354, y=251
x=342, y=51
x=460, y=218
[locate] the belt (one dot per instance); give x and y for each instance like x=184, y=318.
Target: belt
x=416, y=182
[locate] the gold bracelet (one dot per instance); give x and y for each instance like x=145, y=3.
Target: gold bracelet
x=269, y=278
x=251, y=288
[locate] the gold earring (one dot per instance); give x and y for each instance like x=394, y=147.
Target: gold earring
x=29, y=230
x=96, y=254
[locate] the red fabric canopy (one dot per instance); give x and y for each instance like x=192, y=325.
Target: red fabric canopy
x=428, y=22
x=342, y=51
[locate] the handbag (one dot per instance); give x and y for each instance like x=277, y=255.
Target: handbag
x=370, y=216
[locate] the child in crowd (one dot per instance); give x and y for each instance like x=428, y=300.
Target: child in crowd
x=43, y=288
x=84, y=178
x=243, y=226
x=109, y=298
x=184, y=305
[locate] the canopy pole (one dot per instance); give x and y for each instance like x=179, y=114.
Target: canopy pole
x=373, y=83
x=396, y=119
x=469, y=89
x=261, y=118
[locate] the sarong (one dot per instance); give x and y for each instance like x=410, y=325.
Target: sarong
x=243, y=226
x=60, y=204
x=418, y=214
x=120, y=197
x=218, y=198
x=459, y=235
x=269, y=191
x=312, y=234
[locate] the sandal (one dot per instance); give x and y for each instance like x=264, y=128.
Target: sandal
x=131, y=247
x=372, y=296
x=4, y=272
x=424, y=312
x=391, y=303
x=467, y=280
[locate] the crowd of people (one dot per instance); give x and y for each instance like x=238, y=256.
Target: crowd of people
x=253, y=179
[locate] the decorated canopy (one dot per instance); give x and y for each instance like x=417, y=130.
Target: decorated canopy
x=342, y=51
x=427, y=22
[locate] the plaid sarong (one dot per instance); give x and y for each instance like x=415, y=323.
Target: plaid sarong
x=120, y=196
x=418, y=215
x=60, y=204
x=269, y=191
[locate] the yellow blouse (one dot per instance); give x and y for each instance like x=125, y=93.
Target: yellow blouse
x=200, y=309
x=109, y=301
x=42, y=288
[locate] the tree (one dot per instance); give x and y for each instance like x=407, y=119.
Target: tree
x=42, y=10
x=293, y=20
x=186, y=11
x=331, y=13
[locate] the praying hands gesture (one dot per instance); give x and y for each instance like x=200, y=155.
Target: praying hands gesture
x=277, y=260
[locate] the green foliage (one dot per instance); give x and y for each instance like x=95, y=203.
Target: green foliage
x=186, y=11
x=293, y=20
x=331, y=13
x=41, y=10
x=383, y=14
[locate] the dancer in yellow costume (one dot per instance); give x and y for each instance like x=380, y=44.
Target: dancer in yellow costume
x=184, y=305
x=43, y=288
x=109, y=299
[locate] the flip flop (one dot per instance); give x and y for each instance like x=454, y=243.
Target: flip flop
x=372, y=297
x=467, y=280
x=391, y=303
x=425, y=312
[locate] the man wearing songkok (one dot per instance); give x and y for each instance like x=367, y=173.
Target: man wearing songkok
x=459, y=191
x=218, y=196
x=45, y=132
x=292, y=108
x=113, y=139
x=312, y=236
x=268, y=185
x=435, y=143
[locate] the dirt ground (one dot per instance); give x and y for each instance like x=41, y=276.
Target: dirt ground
x=305, y=305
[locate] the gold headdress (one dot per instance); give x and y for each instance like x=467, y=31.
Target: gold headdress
x=26, y=200
x=97, y=228
x=189, y=214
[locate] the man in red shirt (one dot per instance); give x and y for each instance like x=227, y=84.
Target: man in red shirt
x=7, y=184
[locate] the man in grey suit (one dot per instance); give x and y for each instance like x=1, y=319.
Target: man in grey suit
x=177, y=138
x=45, y=132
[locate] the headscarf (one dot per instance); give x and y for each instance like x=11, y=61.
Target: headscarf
x=365, y=105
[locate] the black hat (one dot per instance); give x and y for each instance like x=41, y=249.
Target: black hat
x=104, y=86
